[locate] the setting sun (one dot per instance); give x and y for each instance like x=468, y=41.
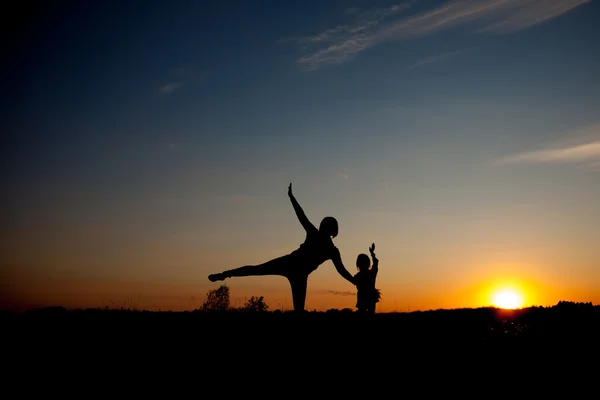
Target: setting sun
x=508, y=299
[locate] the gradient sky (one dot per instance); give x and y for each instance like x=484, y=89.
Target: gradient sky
x=147, y=144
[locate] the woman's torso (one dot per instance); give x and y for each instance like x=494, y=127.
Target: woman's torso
x=315, y=250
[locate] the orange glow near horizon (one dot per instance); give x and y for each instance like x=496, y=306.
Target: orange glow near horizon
x=511, y=293
x=26, y=289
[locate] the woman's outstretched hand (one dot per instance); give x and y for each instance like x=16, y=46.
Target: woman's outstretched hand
x=290, y=190
x=372, y=250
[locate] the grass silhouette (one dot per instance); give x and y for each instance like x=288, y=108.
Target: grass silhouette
x=565, y=320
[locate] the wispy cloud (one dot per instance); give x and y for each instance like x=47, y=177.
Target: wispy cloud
x=187, y=75
x=584, y=149
x=436, y=58
x=584, y=152
x=344, y=175
x=170, y=87
x=370, y=28
x=594, y=166
x=530, y=13
x=337, y=293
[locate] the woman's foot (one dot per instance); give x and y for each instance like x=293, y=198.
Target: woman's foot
x=216, y=277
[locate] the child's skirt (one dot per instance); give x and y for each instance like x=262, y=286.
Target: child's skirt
x=364, y=299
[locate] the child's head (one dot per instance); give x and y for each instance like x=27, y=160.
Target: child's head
x=363, y=262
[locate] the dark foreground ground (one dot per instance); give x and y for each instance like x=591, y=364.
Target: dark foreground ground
x=565, y=321
x=240, y=351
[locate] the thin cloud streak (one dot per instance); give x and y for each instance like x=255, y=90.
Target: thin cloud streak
x=184, y=75
x=587, y=150
x=170, y=87
x=343, y=43
x=338, y=293
x=436, y=58
x=579, y=153
x=594, y=166
x=352, y=10
x=530, y=13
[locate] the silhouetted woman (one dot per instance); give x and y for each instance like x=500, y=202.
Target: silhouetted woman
x=317, y=248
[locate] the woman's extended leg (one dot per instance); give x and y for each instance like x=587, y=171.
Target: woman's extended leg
x=276, y=266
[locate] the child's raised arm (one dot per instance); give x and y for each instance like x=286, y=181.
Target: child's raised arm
x=375, y=267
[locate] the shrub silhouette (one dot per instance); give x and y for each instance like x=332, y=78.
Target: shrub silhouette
x=256, y=304
x=217, y=299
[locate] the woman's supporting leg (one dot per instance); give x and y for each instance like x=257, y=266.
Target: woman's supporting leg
x=298, y=285
x=276, y=266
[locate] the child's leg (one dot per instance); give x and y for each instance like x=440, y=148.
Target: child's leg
x=372, y=308
x=273, y=267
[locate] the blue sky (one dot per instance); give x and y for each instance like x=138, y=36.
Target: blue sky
x=175, y=128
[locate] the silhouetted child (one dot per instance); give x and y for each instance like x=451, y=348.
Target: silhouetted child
x=367, y=295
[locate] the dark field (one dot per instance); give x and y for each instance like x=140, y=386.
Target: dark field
x=564, y=321
x=236, y=350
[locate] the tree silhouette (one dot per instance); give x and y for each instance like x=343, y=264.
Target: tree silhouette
x=256, y=304
x=217, y=299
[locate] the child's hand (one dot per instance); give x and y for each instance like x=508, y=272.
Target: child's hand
x=372, y=250
x=290, y=190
